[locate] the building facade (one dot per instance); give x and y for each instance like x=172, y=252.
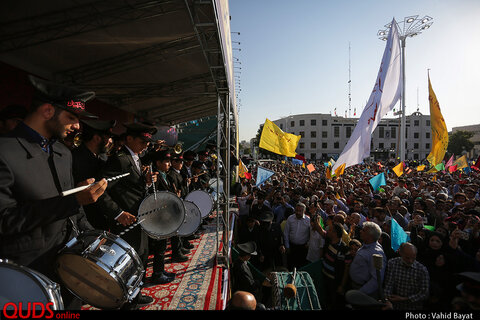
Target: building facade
x=475, y=129
x=324, y=136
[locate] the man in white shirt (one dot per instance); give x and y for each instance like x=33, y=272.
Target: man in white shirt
x=297, y=235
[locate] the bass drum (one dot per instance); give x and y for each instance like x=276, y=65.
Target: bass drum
x=161, y=214
x=20, y=284
x=193, y=220
x=203, y=200
x=101, y=269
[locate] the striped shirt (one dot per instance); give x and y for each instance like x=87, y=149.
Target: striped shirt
x=335, y=258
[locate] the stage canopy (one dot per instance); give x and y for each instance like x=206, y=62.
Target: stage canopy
x=167, y=62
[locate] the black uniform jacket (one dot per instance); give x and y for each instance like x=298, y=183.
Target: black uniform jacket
x=35, y=220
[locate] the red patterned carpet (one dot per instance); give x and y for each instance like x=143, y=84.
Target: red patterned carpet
x=198, y=284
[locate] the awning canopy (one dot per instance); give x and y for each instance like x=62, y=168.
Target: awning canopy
x=164, y=61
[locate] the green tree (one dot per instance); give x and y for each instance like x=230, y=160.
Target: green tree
x=459, y=141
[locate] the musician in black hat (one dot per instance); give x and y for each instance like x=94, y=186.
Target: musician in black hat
x=35, y=168
x=123, y=197
x=199, y=180
x=89, y=160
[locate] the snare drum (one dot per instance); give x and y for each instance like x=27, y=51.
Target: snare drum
x=203, y=200
x=22, y=284
x=101, y=269
x=193, y=219
x=162, y=216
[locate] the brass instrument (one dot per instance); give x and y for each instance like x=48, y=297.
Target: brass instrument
x=77, y=140
x=178, y=148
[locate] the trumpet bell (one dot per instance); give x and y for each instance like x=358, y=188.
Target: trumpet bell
x=178, y=148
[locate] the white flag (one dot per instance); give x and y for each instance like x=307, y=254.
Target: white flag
x=386, y=93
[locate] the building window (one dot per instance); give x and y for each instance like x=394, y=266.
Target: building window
x=324, y=134
x=313, y=122
x=415, y=135
x=416, y=123
x=427, y=145
x=336, y=145
x=415, y=156
x=380, y=145
x=292, y=124
x=348, y=132
x=427, y=135
x=302, y=123
x=336, y=132
x=415, y=146
x=427, y=123
x=324, y=145
x=301, y=145
x=281, y=126
x=393, y=132
x=393, y=145
x=313, y=156
x=313, y=145
x=324, y=123
x=302, y=134
x=381, y=132
x=313, y=134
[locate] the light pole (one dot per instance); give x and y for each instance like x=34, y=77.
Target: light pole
x=410, y=27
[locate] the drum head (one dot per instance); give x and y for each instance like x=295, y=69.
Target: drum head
x=203, y=200
x=21, y=284
x=89, y=281
x=163, y=216
x=193, y=219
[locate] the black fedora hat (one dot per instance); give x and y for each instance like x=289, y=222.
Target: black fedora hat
x=249, y=248
x=67, y=98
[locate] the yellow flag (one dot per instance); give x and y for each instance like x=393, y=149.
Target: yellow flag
x=241, y=169
x=439, y=129
x=398, y=169
x=421, y=168
x=275, y=140
x=328, y=173
x=340, y=170
x=461, y=162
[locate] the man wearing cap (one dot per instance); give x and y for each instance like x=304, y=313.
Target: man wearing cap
x=175, y=173
x=162, y=160
x=124, y=196
x=35, y=168
x=88, y=161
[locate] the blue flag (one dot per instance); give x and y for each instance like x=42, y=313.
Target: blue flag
x=263, y=175
x=397, y=235
x=377, y=181
x=297, y=161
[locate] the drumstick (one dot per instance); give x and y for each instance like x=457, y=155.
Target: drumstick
x=130, y=227
x=75, y=190
x=198, y=175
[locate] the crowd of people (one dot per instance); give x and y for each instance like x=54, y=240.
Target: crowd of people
x=349, y=231
x=55, y=145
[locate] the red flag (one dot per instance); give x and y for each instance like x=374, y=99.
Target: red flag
x=299, y=157
x=248, y=175
x=452, y=168
x=476, y=166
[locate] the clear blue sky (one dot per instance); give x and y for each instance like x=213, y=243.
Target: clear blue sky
x=294, y=57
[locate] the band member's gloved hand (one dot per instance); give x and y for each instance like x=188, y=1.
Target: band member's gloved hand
x=126, y=218
x=91, y=194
